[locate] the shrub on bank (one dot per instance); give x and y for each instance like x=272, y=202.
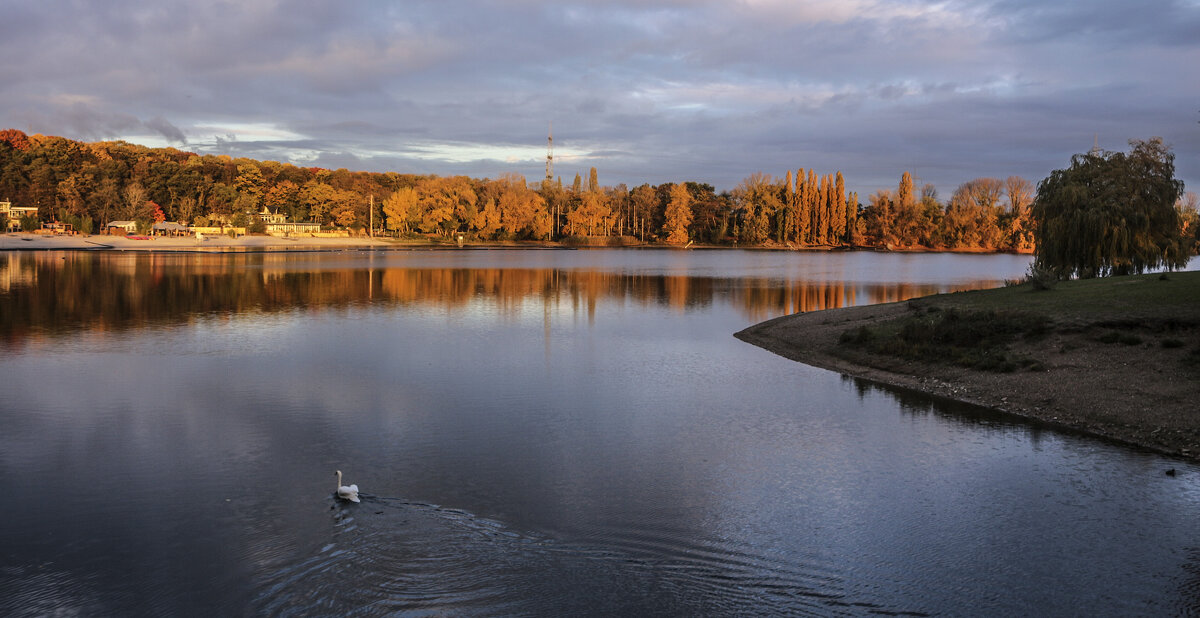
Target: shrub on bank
x=975, y=339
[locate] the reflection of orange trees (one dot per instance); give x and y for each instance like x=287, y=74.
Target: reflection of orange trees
x=16, y=273
x=762, y=300
x=47, y=292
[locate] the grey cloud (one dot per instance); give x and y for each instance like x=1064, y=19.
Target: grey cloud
x=76, y=119
x=1105, y=22
x=161, y=126
x=648, y=90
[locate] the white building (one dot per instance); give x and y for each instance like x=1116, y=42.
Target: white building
x=14, y=214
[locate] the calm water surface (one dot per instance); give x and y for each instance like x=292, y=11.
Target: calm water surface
x=535, y=433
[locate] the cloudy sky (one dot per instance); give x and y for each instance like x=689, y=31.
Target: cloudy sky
x=644, y=90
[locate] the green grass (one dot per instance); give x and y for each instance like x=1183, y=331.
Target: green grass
x=974, y=329
x=1173, y=300
x=976, y=339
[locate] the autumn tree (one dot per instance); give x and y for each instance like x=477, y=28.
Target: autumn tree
x=487, y=221
x=1111, y=213
x=879, y=220
x=758, y=196
x=400, y=210
x=593, y=181
x=838, y=211
x=1188, y=208
x=522, y=211
x=446, y=204
x=618, y=203
x=785, y=219
x=824, y=209
x=16, y=139
x=135, y=199
x=908, y=220
x=679, y=214
x=108, y=199
x=853, y=232
x=642, y=202
x=283, y=197
x=931, y=216
x=72, y=193
x=803, y=217
x=810, y=207
x=710, y=213
x=186, y=209
x=1018, y=228
x=591, y=216
x=249, y=185
x=317, y=199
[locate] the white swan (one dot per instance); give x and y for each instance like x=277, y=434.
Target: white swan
x=346, y=492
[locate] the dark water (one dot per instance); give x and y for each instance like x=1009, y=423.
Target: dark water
x=535, y=433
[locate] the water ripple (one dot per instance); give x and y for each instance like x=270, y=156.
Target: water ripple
x=390, y=556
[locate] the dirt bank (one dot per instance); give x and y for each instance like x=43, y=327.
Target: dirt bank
x=1145, y=394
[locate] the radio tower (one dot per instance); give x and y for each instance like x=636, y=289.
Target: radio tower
x=550, y=154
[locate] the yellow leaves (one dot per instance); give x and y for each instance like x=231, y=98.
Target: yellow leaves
x=678, y=214
x=591, y=217
x=400, y=209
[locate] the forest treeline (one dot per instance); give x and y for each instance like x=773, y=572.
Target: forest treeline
x=90, y=184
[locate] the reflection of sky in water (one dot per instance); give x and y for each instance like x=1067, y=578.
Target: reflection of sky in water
x=599, y=448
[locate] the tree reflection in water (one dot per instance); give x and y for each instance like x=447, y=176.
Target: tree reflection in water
x=47, y=293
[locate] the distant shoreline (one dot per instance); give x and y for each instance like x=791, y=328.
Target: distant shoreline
x=24, y=241
x=21, y=241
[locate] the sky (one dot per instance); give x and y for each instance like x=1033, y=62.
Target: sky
x=643, y=90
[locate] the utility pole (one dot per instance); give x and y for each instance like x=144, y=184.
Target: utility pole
x=371, y=225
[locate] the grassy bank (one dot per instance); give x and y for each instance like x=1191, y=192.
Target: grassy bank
x=1153, y=298
x=995, y=330
x=1116, y=357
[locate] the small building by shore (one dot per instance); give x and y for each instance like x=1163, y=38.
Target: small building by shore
x=15, y=213
x=121, y=228
x=293, y=229
x=167, y=228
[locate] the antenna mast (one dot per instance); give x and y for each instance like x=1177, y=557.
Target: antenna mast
x=550, y=153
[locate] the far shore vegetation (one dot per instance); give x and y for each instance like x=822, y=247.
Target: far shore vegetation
x=91, y=184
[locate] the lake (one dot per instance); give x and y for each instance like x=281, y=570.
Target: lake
x=534, y=432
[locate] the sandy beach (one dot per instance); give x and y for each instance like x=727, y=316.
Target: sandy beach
x=1143, y=395
x=21, y=241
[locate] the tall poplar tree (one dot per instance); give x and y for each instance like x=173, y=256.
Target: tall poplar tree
x=812, y=197
x=839, y=210
x=678, y=215
x=822, y=236
x=852, y=217
x=803, y=214
x=787, y=219
x=904, y=193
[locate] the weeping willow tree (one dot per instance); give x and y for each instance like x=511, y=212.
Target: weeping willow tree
x=1110, y=213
